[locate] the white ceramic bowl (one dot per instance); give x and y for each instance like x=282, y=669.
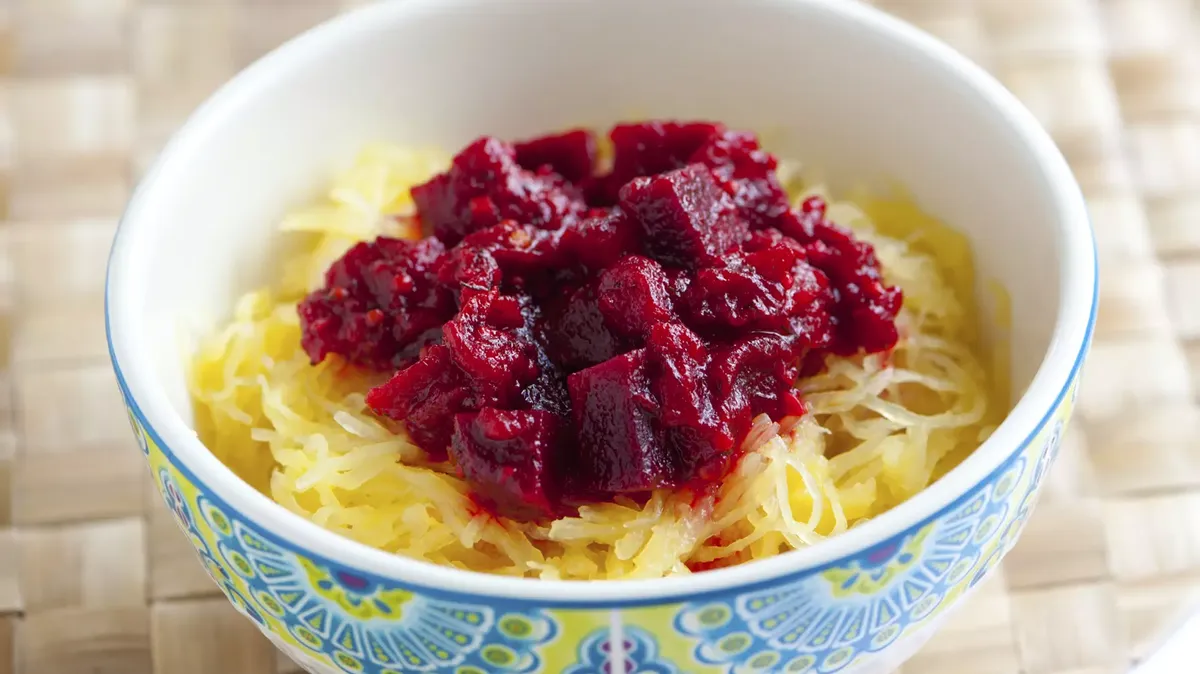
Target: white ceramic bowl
x=866, y=98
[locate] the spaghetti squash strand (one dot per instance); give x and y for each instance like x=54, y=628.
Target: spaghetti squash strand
x=878, y=428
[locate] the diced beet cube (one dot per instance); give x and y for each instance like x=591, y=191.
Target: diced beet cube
x=763, y=239
x=866, y=317
x=864, y=308
x=650, y=148
x=503, y=254
x=548, y=392
x=438, y=207
x=485, y=343
x=733, y=296
x=571, y=154
x=601, y=192
x=686, y=218
x=874, y=323
x=615, y=415
x=425, y=396
x=784, y=265
x=698, y=458
x=634, y=294
x=645, y=149
x=395, y=272
x=813, y=325
x=679, y=360
x=734, y=154
x=381, y=303
x=575, y=333
x=698, y=439
x=483, y=183
x=486, y=186
x=507, y=457
x=458, y=202
x=747, y=173
x=470, y=271
x=515, y=243
x=599, y=240
x=756, y=375
x=678, y=281
x=801, y=224
x=505, y=312
x=759, y=290
x=334, y=322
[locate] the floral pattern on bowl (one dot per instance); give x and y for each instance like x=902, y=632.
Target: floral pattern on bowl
x=336, y=620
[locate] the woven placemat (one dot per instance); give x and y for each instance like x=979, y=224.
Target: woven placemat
x=95, y=579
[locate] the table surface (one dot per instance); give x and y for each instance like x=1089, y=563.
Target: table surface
x=94, y=577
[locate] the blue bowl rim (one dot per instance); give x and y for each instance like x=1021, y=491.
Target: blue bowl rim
x=449, y=595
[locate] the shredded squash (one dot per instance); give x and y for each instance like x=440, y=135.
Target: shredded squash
x=880, y=428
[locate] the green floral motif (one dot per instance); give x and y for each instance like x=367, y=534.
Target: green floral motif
x=335, y=619
x=348, y=662
x=355, y=595
x=877, y=568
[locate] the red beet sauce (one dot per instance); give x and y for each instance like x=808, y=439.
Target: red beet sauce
x=566, y=336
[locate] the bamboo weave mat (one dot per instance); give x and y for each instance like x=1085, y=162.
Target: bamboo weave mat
x=95, y=579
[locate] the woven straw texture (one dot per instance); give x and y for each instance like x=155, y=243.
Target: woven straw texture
x=95, y=579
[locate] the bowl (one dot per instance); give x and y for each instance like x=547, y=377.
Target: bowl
x=868, y=99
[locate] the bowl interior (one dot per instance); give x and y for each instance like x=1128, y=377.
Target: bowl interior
x=864, y=107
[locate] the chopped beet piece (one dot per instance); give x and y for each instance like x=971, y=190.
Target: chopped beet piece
x=733, y=155
x=686, y=219
x=650, y=148
x=747, y=173
x=802, y=224
x=634, y=294
x=549, y=391
x=425, y=396
x=506, y=256
x=516, y=248
x=469, y=271
x=761, y=239
x=601, y=239
x=507, y=456
x=646, y=149
x=615, y=414
x=756, y=375
x=575, y=333
x=486, y=343
x=678, y=281
x=699, y=438
x=581, y=336
x=760, y=290
x=485, y=186
x=699, y=460
x=571, y=155
x=679, y=359
x=381, y=303
x=334, y=321
x=864, y=311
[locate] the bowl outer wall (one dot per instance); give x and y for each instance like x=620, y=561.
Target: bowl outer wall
x=1068, y=344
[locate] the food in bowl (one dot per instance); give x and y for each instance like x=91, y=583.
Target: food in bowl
x=565, y=358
